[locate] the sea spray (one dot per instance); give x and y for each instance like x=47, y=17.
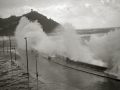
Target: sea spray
x=37, y=39
x=96, y=51
x=69, y=46
x=107, y=49
x=76, y=50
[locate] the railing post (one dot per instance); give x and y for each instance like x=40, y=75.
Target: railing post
x=15, y=54
x=3, y=44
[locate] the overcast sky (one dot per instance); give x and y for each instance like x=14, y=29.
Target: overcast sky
x=80, y=13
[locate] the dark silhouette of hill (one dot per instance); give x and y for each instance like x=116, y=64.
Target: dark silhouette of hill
x=8, y=25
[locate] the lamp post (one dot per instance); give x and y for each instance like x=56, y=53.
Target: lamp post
x=27, y=58
x=10, y=53
x=36, y=55
x=10, y=50
x=36, y=71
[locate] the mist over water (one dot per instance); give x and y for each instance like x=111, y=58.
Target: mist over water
x=99, y=50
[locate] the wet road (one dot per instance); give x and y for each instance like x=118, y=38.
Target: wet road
x=53, y=72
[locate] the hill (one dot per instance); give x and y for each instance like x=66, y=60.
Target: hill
x=8, y=25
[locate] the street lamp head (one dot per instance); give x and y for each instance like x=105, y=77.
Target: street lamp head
x=26, y=37
x=32, y=51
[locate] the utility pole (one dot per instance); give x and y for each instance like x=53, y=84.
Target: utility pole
x=27, y=58
x=36, y=71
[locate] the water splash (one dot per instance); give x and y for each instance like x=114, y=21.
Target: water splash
x=99, y=50
x=107, y=49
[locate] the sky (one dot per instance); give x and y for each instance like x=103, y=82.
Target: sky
x=79, y=13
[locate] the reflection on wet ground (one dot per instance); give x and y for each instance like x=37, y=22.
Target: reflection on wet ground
x=53, y=72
